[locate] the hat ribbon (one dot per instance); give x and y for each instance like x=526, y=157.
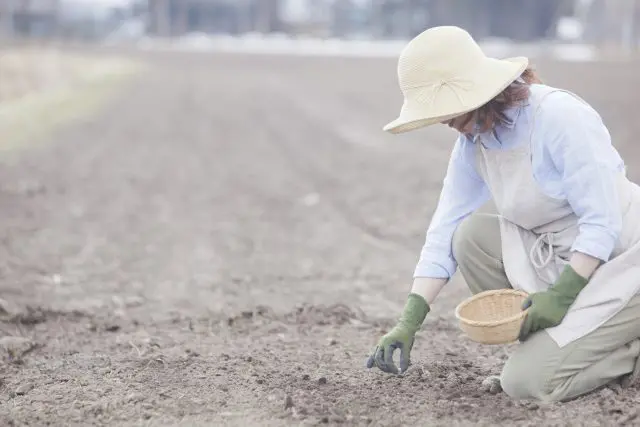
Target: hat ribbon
x=429, y=93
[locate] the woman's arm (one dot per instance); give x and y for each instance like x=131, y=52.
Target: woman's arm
x=463, y=192
x=428, y=288
x=579, y=146
x=584, y=264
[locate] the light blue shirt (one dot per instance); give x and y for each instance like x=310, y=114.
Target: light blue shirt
x=572, y=158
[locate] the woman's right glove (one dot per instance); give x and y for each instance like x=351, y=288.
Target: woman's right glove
x=548, y=308
x=400, y=337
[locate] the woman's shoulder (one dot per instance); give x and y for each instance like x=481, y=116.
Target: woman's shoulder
x=555, y=102
x=550, y=96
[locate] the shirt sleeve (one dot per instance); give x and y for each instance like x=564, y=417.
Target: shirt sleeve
x=580, y=148
x=463, y=191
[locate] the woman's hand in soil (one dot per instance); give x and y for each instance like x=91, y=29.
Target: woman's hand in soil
x=401, y=337
x=548, y=308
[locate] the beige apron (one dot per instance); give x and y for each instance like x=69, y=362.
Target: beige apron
x=538, y=231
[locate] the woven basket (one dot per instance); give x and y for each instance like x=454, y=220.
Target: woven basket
x=492, y=317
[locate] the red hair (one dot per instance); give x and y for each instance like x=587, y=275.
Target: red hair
x=492, y=113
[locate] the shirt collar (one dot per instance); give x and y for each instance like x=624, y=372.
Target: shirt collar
x=511, y=115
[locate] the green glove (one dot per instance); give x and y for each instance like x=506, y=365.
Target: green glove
x=548, y=308
x=400, y=337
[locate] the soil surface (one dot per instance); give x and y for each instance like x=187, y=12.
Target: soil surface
x=227, y=241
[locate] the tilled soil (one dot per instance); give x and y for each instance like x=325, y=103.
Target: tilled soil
x=225, y=244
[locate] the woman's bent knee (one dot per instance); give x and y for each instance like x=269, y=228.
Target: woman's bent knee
x=529, y=373
x=525, y=385
x=477, y=231
x=478, y=252
x=519, y=384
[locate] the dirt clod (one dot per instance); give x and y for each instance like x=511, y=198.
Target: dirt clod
x=631, y=417
x=9, y=309
x=16, y=347
x=607, y=393
x=112, y=327
x=24, y=388
x=288, y=402
x=492, y=385
x=322, y=380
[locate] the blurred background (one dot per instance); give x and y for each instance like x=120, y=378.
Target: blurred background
x=233, y=231
x=599, y=22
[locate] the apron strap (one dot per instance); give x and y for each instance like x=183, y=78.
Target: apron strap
x=536, y=255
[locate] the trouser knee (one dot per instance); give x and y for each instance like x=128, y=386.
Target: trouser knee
x=528, y=382
x=531, y=373
x=477, y=249
x=476, y=233
x=464, y=239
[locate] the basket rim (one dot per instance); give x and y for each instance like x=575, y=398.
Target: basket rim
x=486, y=294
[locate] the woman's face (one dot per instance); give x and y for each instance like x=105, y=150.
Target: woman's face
x=463, y=124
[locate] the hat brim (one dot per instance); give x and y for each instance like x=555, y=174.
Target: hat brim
x=492, y=77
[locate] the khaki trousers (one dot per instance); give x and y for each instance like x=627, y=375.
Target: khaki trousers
x=539, y=369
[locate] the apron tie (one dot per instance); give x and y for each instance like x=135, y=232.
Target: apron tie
x=536, y=255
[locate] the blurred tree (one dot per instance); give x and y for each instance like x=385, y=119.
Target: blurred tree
x=514, y=19
x=342, y=14
x=399, y=18
x=267, y=16
x=472, y=15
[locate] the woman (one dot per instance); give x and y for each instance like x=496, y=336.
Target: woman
x=567, y=229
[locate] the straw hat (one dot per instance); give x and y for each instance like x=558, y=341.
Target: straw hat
x=443, y=73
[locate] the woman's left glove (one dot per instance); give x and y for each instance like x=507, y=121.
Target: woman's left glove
x=401, y=337
x=548, y=308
